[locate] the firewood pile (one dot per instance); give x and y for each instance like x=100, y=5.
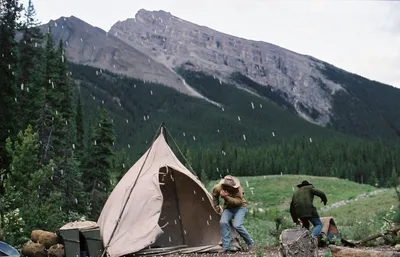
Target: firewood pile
x=43, y=244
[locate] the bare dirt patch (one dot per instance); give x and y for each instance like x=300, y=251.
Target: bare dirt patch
x=274, y=252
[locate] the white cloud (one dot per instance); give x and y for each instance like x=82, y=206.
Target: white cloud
x=362, y=37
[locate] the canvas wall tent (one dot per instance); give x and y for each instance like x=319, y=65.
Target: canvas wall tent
x=331, y=231
x=158, y=203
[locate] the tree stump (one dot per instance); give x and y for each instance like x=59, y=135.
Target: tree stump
x=298, y=242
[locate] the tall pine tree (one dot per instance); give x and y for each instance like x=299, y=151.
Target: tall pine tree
x=98, y=162
x=9, y=14
x=30, y=52
x=48, y=115
x=80, y=127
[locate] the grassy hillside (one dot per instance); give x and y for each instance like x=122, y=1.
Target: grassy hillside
x=138, y=108
x=363, y=217
x=269, y=198
x=276, y=191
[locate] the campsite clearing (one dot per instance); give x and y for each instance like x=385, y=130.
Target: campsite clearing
x=269, y=198
x=176, y=208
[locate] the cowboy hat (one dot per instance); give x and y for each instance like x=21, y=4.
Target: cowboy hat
x=230, y=181
x=304, y=183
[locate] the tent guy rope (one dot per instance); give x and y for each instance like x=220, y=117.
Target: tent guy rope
x=173, y=140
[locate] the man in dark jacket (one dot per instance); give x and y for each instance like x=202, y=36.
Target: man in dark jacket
x=302, y=208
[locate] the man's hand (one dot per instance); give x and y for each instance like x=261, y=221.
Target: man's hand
x=323, y=202
x=223, y=193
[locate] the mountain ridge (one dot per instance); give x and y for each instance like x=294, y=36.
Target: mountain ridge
x=111, y=53
x=311, y=88
x=173, y=41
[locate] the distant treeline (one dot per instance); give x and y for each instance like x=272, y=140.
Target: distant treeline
x=369, y=162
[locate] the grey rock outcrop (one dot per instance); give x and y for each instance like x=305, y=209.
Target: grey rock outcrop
x=88, y=45
x=172, y=42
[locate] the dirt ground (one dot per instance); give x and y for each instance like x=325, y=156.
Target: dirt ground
x=267, y=252
x=274, y=252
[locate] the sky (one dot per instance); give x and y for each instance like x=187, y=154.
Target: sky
x=362, y=37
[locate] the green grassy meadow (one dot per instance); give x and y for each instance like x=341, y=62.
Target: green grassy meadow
x=269, y=198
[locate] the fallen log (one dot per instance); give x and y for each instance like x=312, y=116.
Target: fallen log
x=393, y=231
x=339, y=251
x=298, y=242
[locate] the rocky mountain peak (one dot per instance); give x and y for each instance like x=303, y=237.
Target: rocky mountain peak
x=89, y=45
x=143, y=13
x=173, y=42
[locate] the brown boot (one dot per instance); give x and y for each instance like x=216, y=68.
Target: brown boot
x=224, y=250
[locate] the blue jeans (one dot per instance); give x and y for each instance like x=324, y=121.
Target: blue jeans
x=316, y=222
x=237, y=214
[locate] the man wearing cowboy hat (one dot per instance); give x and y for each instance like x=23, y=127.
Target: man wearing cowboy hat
x=234, y=208
x=302, y=208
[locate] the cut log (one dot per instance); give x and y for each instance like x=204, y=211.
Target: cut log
x=35, y=235
x=32, y=249
x=48, y=239
x=56, y=251
x=298, y=242
x=339, y=251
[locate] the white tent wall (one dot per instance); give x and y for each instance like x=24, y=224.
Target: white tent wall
x=130, y=219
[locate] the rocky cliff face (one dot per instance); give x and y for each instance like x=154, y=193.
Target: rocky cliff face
x=172, y=41
x=88, y=45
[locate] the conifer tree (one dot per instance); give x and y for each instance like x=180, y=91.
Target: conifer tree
x=204, y=177
x=80, y=128
x=30, y=51
x=9, y=14
x=98, y=162
x=24, y=153
x=63, y=85
x=48, y=116
x=25, y=191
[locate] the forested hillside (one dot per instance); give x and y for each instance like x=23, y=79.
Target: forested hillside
x=213, y=139
x=139, y=107
x=369, y=109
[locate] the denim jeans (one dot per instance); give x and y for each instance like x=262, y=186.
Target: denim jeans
x=237, y=214
x=316, y=222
